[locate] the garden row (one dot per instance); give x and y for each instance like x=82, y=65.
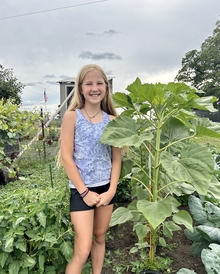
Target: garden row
x=165, y=161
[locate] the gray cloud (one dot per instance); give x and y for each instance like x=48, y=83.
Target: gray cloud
x=92, y=33
x=149, y=43
x=29, y=102
x=64, y=76
x=111, y=32
x=49, y=76
x=52, y=82
x=108, y=72
x=99, y=56
x=32, y=84
x=106, y=32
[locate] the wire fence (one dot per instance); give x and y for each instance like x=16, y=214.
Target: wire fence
x=44, y=147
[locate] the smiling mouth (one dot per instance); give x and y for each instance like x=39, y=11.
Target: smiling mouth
x=96, y=94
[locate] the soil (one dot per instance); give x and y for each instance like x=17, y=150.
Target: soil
x=123, y=239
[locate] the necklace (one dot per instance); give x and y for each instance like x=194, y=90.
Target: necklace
x=90, y=117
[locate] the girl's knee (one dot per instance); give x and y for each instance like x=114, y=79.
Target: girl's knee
x=81, y=256
x=100, y=238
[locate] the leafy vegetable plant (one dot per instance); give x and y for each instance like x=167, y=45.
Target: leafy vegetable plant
x=206, y=213
x=35, y=231
x=13, y=124
x=159, y=126
x=211, y=258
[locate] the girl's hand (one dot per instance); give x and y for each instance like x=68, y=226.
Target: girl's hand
x=105, y=199
x=92, y=198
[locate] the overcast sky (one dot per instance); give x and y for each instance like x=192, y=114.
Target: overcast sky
x=45, y=41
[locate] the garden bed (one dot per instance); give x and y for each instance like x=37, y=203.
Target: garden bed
x=123, y=239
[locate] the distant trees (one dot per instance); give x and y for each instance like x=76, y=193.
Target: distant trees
x=10, y=87
x=201, y=69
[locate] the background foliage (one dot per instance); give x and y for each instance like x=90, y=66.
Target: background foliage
x=10, y=87
x=35, y=231
x=201, y=68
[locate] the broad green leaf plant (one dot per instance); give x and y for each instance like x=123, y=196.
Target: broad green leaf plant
x=158, y=124
x=206, y=214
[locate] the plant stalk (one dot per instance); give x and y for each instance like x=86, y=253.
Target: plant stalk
x=153, y=234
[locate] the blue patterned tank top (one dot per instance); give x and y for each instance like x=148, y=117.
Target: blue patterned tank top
x=92, y=158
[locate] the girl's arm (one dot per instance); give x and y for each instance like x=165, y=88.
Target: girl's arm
x=67, y=148
x=107, y=196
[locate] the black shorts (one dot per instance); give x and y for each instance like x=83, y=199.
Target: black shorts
x=77, y=203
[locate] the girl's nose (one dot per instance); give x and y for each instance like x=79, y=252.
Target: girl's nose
x=94, y=87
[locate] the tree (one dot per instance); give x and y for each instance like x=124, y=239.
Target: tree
x=10, y=87
x=201, y=68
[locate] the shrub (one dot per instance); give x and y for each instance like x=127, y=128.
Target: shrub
x=35, y=231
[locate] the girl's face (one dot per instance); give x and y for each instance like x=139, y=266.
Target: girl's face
x=93, y=87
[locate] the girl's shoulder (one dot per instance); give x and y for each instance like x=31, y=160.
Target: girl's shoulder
x=70, y=115
x=111, y=117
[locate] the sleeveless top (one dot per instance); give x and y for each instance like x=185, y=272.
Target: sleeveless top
x=92, y=158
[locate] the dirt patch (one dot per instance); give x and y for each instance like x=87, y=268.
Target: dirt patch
x=122, y=238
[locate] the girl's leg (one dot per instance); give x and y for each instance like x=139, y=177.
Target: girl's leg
x=83, y=227
x=102, y=216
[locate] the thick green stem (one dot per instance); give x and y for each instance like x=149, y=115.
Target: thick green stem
x=153, y=233
x=156, y=161
x=153, y=238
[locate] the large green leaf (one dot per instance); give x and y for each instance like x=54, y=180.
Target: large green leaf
x=122, y=132
x=138, y=91
x=21, y=244
x=169, y=227
x=211, y=234
x=205, y=103
x=41, y=261
x=194, y=166
x=24, y=270
x=203, y=122
x=197, y=210
x=183, y=218
x=14, y=267
x=214, y=188
x=211, y=258
x=155, y=94
x=42, y=218
x=194, y=235
x=174, y=130
x=120, y=216
x=204, y=131
x=186, y=271
x=122, y=100
x=126, y=168
x=3, y=258
x=197, y=247
x=155, y=212
x=28, y=261
x=213, y=213
x=141, y=230
x=67, y=250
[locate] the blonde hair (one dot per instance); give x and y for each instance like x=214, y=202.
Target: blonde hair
x=78, y=100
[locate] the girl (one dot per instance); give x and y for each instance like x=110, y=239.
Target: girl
x=92, y=168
